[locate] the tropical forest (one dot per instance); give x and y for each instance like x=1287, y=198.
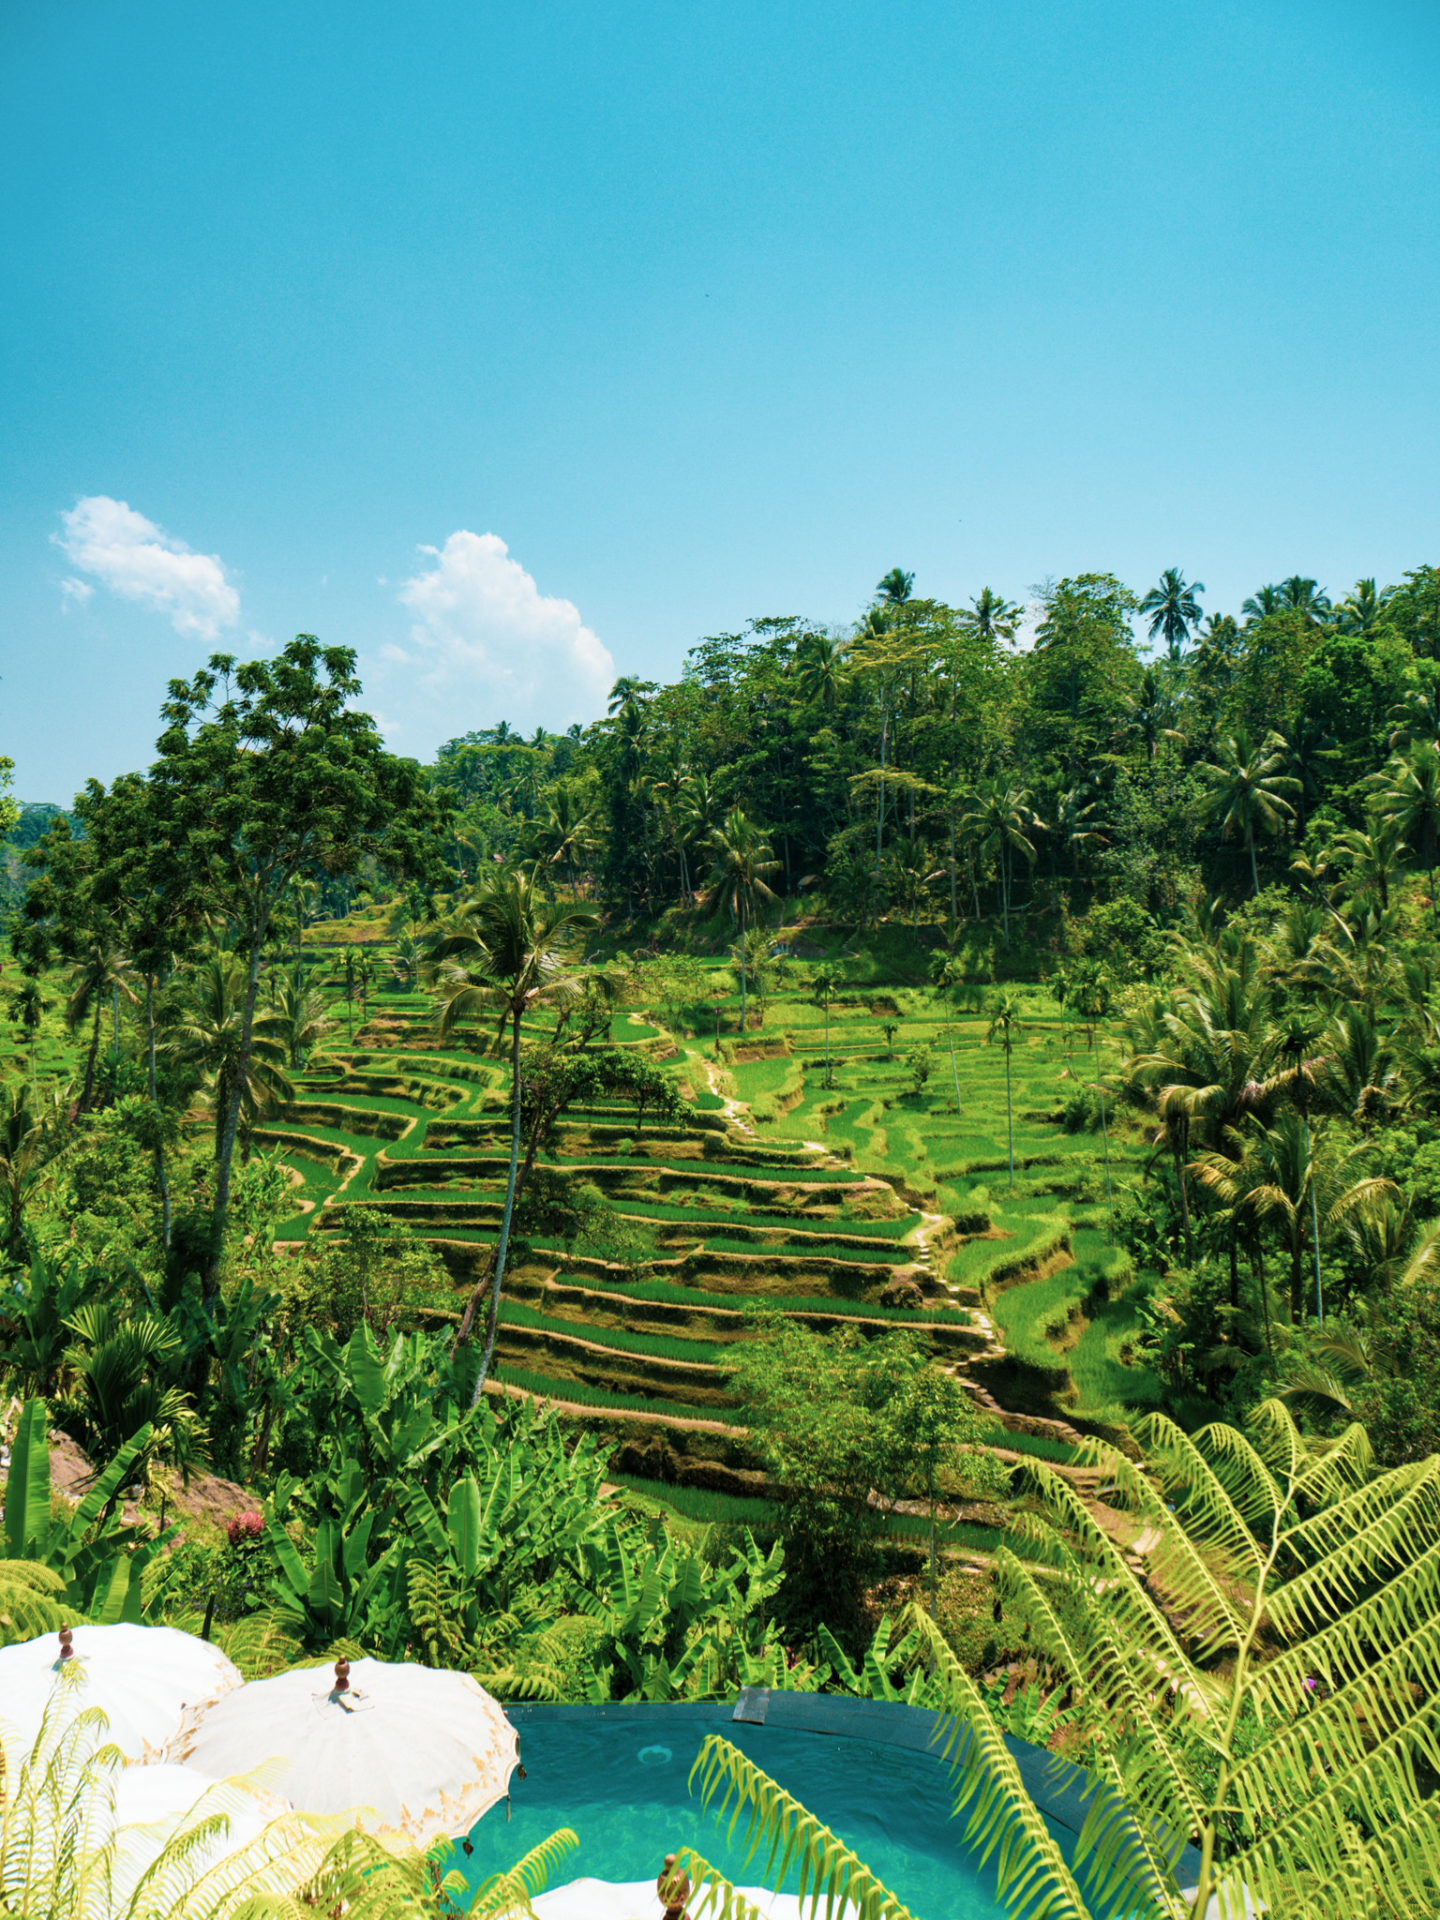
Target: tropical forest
x=901, y=1166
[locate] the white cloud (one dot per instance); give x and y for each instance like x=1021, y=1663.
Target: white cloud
x=484, y=627
x=138, y=561
x=74, y=593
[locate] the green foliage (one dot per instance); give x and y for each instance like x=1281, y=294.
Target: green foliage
x=98, y=1559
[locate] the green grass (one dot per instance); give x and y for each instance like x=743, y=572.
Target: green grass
x=704, y=1503
x=514, y=1313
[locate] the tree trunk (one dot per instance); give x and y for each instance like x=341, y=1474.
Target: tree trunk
x=1254, y=869
x=1009, y=1114
x=1184, y=1206
x=743, y=967
x=954, y=901
x=225, y=1144
x=162, y=1177
x=492, y=1328
x=87, y=1092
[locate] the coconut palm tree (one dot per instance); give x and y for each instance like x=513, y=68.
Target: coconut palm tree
x=1173, y=610
x=950, y=977
x=1249, y=794
x=820, y=670
x=1151, y=712
x=1074, y=826
x=895, y=589
x=1006, y=1022
x=1371, y=857
x=99, y=976
x=306, y=1015
x=825, y=983
x=742, y=862
x=1262, y=603
x=27, y=1008
x=203, y=1028
x=1301, y=595
x=992, y=616
x=29, y=1141
x=1003, y=821
x=1362, y=609
x=1292, y=1182
x=1407, y=794
x=501, y=959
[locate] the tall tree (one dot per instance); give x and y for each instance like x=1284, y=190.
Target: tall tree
x=1249, y=794
x=267, y=771
x=742, y=864
x=1006, y=1022
x=1172, y=610
x=503, y=959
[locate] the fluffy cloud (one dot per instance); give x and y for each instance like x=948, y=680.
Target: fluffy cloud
x=482, y=625
x=131, y=556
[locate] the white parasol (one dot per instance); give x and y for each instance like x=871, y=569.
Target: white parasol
x=144, y=1679
x=398, y=1746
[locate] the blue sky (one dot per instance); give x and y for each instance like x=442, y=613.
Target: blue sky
x=521, y=346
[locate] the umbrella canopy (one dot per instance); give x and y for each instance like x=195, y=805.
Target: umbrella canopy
x=414, y=1748
x=144, y=1680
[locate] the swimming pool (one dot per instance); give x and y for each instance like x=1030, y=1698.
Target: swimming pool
x=618, y=1775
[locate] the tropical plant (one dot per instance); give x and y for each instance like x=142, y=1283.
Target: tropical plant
x=99, y=976
x=1253, y=1689
x=98, y=1558
x=1006, y=1022
x=1249, y=793
x=742, y=865
x=204, y=1028
x=825, y=983
x=29, y=1142
x=500, y=960
x=122, y=1367
x=1173, y=610
x=1003, y=820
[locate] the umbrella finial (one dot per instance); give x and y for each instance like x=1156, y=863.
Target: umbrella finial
x=67, y=1651
x=342, y=1675
x=673, y=1887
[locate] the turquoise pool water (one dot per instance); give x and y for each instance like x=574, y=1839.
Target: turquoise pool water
x=619, y=1777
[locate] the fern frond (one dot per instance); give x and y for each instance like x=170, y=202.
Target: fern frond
x=31, y=1601
x=713, y=1895
x=508, y=1895
x=793, y=1838
x=1002, y=1822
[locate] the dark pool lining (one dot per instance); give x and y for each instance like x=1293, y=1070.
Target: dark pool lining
x=1058, y=1787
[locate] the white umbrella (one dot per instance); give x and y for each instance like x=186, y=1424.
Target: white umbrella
x=418, y=1749
x=144, y=1679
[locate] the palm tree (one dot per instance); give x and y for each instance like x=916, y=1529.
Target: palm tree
x=1249, y=791
x=1151, y=712
x=820, y=670
x=1300, y=595
x=27, y=1008
x=992, y=616
x=29, y=1141
x=1371, y=857
x=949, y=977
x=1003, y=820
x=742, y=862
x=1073, y=828
x=896, y=587
x=1289, y=1181
x=1362, y=608
x=1262, y=603
x=1407, y=791
x=101, y=973
x=305, y=1015
x=500, y=960
x=825, y=983
x=1005, y=1023
x=204, y=1029
x=1173, y=610
x=568, y=834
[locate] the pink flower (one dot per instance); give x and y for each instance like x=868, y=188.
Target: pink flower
x=244, y=1526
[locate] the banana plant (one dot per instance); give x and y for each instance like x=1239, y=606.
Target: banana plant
x=97, y=1558
x=341, y=1590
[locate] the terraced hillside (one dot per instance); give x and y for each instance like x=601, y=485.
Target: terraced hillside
x=865, y=1197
